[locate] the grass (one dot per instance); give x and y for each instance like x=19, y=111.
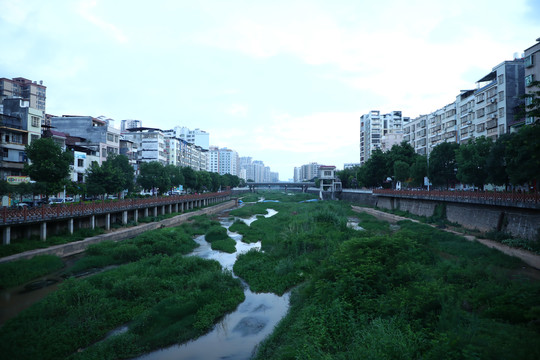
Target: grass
x=417, y=292
x=21, y=271
x=166, y=297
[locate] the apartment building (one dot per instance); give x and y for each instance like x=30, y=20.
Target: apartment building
x=25, y=89
x=13, y=139
x=374, y=127
x=531, y=73
x=148, y=142
x=31, y=118
x=223, y=161
x=197, y=137
x=129, y=124
x=92, y=133
x=306, y=172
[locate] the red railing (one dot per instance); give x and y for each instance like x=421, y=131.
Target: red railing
x=67, y=210
x=484, y=197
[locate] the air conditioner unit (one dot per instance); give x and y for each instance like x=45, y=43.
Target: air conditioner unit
x=492, y=100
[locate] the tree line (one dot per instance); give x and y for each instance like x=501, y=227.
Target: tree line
x=512, y=160
x=49, y=169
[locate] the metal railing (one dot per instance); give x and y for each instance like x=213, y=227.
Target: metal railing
x=479, y=197
x=69, y=210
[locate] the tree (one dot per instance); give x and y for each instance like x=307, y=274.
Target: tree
x=471, y=160
x=374, y=170
x=523, y=155
x=418, y=170
x=401, y=170
x=153, y=175
x=121, y=162
x=104, y=179
x=49, y=164
x=442, y=164
x=190, y=178
x=175, y=175
x=204, y=181
x=402, y=152
x=496, y=161
x=216, y=181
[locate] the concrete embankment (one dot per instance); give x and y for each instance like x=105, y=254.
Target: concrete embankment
x=117, y=235
x=527, y=257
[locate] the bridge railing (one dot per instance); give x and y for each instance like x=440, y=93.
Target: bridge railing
x=483, y=197
x=67, y=210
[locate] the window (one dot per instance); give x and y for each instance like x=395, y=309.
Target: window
x=5, y=152
x=80, y=162
x=480, y=127
x=501, y=96
x=501, y=79
x=35, y=121
x=480, y=113
x=529, y=61
x=480, y=97
x=110, y=137
x=529, y=80
x=104, y=152
x=501, y=112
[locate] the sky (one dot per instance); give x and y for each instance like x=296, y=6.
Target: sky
x=284, y=82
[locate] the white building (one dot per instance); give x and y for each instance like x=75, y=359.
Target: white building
x=223, y=161
x=374, y=126
x=197, y=137
x=149, y=142
x=532, y=73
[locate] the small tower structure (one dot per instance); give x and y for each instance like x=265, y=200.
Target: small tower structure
x=328, y=182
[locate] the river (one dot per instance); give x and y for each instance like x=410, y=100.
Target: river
x=238, y=334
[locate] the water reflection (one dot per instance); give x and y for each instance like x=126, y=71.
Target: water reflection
x=239, y=333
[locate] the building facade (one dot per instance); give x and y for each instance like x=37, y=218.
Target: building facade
x=93, y=133
x=34, y=92
x=531, y=73
x=374, y=127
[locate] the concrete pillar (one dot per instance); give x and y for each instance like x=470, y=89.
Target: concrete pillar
x=43, y=231
x=124, y=217
x=70, y=226
x=136, y=215
x=93, y=222
x=163, y=210
x=170, y=208
x=182, y=206
x=28, y=232
x=155, y=211
x=108, y=221
x=176, y=207
x=6, y=235
x=145, y=212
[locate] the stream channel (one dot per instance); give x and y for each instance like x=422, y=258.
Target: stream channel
x=238, y=334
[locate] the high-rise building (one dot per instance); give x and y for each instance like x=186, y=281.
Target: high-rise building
x=197, y=137
x=223, y=161
x=374, y=126
x=26, y=89
x=130, y=124
x=306, y=172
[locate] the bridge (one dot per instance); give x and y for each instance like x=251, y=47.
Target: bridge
x=286, y=185
x=17, y=223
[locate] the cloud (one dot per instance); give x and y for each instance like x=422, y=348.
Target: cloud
x=85, y=9
x=237, y=110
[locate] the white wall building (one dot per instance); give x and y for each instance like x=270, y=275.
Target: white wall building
x=197, y=137
x=374, y=126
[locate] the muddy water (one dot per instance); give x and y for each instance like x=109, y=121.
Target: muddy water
x=239, y=333
x=15, y=300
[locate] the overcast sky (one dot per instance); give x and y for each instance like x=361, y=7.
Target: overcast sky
x=284, y=82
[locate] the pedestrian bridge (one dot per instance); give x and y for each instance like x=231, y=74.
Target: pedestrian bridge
x=280, y=185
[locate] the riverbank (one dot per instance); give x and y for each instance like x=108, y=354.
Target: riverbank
x=527, y=257
x=69, y=249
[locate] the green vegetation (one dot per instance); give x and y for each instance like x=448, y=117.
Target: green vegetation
x=417, y=292
x=165, y=297
x=219, y=240
x=21, y=271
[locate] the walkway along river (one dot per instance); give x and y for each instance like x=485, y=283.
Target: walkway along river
x=237, y=335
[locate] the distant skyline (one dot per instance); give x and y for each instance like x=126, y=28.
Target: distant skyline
x=284, y=82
